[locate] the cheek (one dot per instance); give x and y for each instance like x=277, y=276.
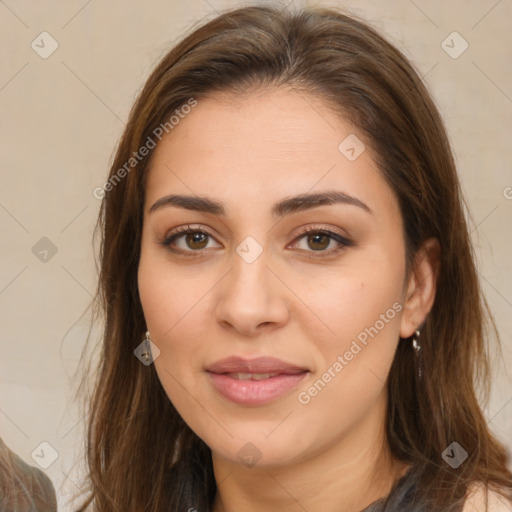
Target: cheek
x=170, y=296
x=362, y=310
x=362, y=295
x=174, y=305
x=171, y=319
x=354, y=364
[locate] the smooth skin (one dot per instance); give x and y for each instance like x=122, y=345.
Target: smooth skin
x=304, y=299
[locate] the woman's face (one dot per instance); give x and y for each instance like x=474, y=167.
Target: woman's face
x=252, y=283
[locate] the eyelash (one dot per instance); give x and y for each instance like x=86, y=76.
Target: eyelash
x=185, y=230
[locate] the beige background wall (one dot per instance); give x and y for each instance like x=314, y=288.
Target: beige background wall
x=61, y=118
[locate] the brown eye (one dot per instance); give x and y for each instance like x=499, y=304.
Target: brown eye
x=192, y=241
x=196, y=240
x=318, y=241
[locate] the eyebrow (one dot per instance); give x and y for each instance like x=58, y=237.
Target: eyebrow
x=286, y=206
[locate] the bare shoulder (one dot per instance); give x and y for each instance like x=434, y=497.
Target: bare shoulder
x=476, y=499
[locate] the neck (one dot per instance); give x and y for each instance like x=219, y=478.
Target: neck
x=347, y=476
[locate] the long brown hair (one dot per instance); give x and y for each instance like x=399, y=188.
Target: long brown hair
x=141, y=454
x=23, y=488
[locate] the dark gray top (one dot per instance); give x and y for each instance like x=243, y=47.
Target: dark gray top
x=402, y=498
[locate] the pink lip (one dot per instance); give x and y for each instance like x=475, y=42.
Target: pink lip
x=265, y=364
x=254, y=392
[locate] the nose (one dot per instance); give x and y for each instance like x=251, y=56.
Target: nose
x=252, y=297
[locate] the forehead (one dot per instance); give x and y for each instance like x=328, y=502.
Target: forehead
x=259, y=148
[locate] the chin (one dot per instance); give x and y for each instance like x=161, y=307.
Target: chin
x=253, y=449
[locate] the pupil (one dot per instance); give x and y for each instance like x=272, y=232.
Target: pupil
x=316, y=237
x=195, y=237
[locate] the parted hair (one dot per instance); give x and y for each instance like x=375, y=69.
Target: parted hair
x=141, y=455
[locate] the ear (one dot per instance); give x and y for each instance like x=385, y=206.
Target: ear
x=421, y=287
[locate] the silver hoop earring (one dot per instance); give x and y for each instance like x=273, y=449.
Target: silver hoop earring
x=417, y=348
